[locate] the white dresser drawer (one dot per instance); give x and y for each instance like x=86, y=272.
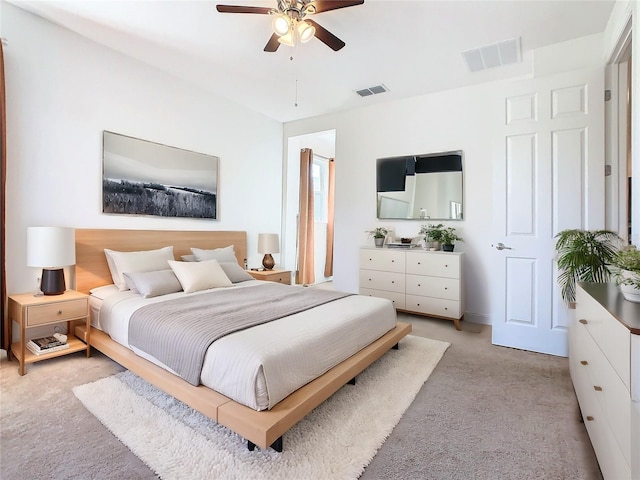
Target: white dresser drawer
x=376, y=280
x=612, y=338
x=433, y=306
x=396, y=298
x=433, y=264
x=601, y=383
x=382, y=259
x=437, y=287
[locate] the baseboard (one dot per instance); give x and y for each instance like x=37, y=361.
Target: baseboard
x=481, y=318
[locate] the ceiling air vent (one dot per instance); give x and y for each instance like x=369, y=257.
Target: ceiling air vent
x=494, y=55
x=365, y=92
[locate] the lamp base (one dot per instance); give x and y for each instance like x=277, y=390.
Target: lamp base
x=52, y=282
x=268, y=262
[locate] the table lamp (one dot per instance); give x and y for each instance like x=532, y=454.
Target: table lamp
x=268, y=243
x=51, y=248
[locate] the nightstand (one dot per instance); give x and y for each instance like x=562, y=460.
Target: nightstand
x=29, y=311
x=278, y=276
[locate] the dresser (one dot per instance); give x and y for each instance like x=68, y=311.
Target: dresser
x=604, y=361
x=416, y=281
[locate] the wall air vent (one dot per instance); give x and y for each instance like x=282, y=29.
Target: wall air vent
x=365, y=92
x=495, y=55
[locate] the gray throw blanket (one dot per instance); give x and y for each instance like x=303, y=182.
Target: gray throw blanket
x=179, y=332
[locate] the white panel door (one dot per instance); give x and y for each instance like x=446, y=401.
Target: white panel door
x=548, y=176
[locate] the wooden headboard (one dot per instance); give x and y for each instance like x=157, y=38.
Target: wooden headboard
x=91, y=264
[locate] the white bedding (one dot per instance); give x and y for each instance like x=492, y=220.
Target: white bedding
x=262, y=365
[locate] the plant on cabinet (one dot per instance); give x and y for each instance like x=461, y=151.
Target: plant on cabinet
x=584, y=256
x=626, y=268
x=378, y=234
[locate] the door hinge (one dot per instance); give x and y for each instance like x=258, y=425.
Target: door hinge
x=607, y=95
x=607, y=170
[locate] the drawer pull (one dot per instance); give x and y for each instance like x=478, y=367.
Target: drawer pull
x=419, y=263
x=393, y=281
x=590, y=418
x=446, y=308
x=584, y=362
x=446, y=266
x=583, y=321
x=59, y=312
x=597, y=388
x=446, y=288
x=419, y=284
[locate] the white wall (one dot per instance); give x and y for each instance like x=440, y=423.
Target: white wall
x=63, y=91
x=458, y=119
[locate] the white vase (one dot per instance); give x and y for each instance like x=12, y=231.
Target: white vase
x=630, y=293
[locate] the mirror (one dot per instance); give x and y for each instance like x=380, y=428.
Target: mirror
x=420, y=187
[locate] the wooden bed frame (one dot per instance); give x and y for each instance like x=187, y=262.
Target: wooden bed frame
x=264, y=428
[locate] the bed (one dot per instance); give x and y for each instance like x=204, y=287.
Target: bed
x=264, y=428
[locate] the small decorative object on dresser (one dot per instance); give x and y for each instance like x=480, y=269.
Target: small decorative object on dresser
x=584, y=256
x=449, y=237
x=626, y=266
x=378, y=234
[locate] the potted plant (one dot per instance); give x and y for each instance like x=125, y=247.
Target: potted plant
x=626, y=269
x=584, y=256
x=432, y=235
x=449, y=237
x=378, y=234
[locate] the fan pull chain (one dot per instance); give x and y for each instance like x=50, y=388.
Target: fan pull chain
x=295, y=104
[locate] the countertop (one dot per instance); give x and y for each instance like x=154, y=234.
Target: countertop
x=610, y=297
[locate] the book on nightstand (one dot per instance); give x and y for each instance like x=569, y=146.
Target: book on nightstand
x=47, y=344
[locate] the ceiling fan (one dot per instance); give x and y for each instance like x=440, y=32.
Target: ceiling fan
x=291, y=22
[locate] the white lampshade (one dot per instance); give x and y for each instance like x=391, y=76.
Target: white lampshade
x=281, y=24
x=51, y=247
x=268, y=243
x=306, y=31
x=288, y=39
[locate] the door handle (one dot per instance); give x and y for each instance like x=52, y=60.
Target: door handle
x=502, y=246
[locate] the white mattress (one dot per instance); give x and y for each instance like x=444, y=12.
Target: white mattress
x=262, y=365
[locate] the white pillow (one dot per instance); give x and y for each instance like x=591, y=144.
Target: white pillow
x=235, y=272
x=131, y=262
x=104, y=291
x=153, y=284
x=225, y=254
x=196, y=276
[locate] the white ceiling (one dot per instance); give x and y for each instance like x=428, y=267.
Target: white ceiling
x=412, y=47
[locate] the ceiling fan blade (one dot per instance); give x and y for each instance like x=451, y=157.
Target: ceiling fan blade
x=241, y=9
x=326, y=37
x=326, y=5
x=273, y=43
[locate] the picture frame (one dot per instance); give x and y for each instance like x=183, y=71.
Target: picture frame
x=140, y=177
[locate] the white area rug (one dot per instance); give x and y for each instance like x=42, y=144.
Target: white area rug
x=337, y=440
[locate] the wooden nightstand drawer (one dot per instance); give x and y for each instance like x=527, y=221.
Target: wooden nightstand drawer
x=278, y=276
x=56, y=312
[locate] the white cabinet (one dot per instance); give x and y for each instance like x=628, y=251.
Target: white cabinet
x=416, y=281
x=603, y=338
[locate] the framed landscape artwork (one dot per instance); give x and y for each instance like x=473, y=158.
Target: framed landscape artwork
x=147, y=178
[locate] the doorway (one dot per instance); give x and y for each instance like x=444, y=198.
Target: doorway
x=618, y=121
x=322, y=144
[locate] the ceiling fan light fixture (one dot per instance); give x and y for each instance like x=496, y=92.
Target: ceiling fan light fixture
x=305, y=31
x=288, y=39
x=281, y=24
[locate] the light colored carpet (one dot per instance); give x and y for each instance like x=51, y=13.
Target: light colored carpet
x=337, y=440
